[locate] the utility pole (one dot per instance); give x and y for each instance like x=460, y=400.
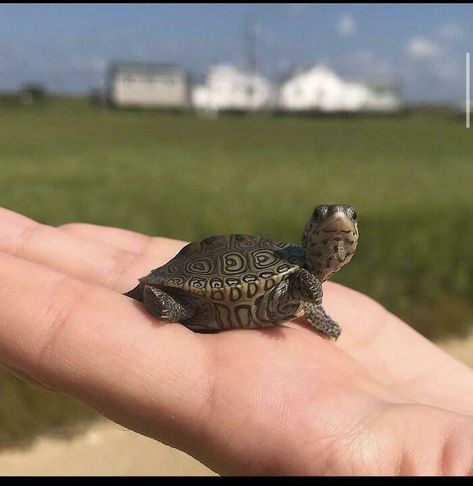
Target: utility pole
x=250, y=43
x=250, y=48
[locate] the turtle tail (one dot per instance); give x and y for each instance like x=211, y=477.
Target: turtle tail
x=136, y=293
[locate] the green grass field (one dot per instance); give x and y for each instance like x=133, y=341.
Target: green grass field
x=183, y=176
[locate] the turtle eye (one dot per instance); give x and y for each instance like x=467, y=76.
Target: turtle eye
x=318, y=213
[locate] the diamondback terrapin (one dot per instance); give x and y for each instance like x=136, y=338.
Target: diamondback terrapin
x=242, y=281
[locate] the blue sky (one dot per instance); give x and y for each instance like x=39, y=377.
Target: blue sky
x=67, y=47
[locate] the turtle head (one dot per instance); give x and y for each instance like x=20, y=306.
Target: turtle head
x=330, y=238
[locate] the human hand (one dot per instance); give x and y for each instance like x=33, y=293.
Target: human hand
x=381, y=400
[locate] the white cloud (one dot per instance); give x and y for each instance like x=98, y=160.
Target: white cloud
x=422, y=48
x=346, y=25
x=451, y=32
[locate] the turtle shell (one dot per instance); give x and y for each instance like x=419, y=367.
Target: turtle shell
x=228, y=268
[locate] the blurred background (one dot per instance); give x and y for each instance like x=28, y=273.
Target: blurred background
x=191, y=120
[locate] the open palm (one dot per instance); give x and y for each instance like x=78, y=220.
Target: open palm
x=381, y=400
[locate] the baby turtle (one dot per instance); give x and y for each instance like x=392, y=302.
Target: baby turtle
x=242, y=281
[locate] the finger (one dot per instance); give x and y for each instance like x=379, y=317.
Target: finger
x=101, y=348
x=125, y=239
x=86, y=259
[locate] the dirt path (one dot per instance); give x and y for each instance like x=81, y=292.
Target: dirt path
x=460, y=348
x=105, y=449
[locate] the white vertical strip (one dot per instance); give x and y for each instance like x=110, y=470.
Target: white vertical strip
x=467, y=93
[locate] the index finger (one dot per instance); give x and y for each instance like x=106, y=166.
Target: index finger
x=121, y=238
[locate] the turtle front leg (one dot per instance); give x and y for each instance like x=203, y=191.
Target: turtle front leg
x=304, y=286
x=288, y=299
x=321, y=322
x=166, y=307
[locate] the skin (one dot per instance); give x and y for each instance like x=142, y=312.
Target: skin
x=382, y=400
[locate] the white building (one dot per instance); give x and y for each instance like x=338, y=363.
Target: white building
x=143, y=85
x=228, y=88
x=320, y=89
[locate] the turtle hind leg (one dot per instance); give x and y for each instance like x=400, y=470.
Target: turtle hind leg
x=164, y=306
x=321, y=322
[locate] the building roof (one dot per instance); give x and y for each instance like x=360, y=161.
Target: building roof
x=144, y=68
